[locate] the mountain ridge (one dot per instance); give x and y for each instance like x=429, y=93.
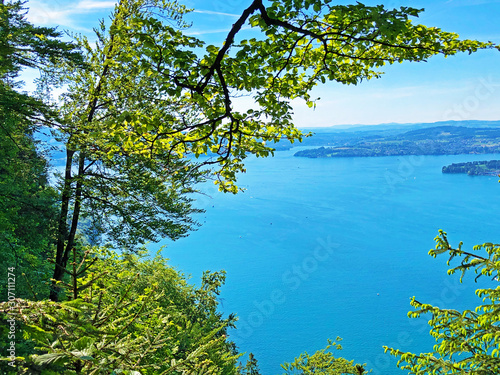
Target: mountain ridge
x=437, y=140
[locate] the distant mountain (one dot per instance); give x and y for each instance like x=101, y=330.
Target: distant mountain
x=348, y=134
x=448, y=132
x=403, y=126
x=437, y=140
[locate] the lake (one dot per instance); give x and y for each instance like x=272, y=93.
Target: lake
x=320, y=248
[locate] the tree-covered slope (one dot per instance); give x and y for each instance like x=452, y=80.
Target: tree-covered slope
x=475, y=168
x=439, y=140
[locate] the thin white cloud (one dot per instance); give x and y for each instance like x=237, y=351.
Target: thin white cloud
x=203, y=32
x=213, y=31
x=64, y=13
x=95, y=4
x=216, y=13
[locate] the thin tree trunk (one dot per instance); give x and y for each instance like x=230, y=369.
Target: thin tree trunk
x=65, y=246
x=76, y=210
x=63, y=227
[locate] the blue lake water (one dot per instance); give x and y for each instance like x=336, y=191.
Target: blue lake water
x=320, y=248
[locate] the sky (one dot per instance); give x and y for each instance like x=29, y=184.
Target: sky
x=462, y=87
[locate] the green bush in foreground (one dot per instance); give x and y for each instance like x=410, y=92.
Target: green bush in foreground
x=323, y=362
x=467, y=342
x=126, y=314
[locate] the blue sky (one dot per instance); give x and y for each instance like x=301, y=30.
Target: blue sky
x=462, y=87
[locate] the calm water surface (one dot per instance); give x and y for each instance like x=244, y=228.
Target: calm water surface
x=320, y=248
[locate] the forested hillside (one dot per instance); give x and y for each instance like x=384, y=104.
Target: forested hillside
x=475, y=168
x=439, y=140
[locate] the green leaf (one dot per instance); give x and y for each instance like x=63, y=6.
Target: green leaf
x=51, y=359
x=83, y=343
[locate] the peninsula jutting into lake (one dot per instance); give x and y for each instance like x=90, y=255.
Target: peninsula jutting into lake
x=475, y=168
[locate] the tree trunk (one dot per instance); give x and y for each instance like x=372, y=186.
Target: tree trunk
x=62, y=227
x=76, y=212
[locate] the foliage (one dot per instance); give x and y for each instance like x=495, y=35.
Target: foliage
x=26, y=200
x=323, y=362
x=26, y=208
x=467, y=342
x=25, y=45
x=130, y=198
x=131, y=315
x=251, y=367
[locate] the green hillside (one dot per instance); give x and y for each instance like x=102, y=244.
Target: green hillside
x=438, y=140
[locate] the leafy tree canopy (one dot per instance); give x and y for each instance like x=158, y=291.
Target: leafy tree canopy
x=251, y=368
x=23, y=45
x=27, y=206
